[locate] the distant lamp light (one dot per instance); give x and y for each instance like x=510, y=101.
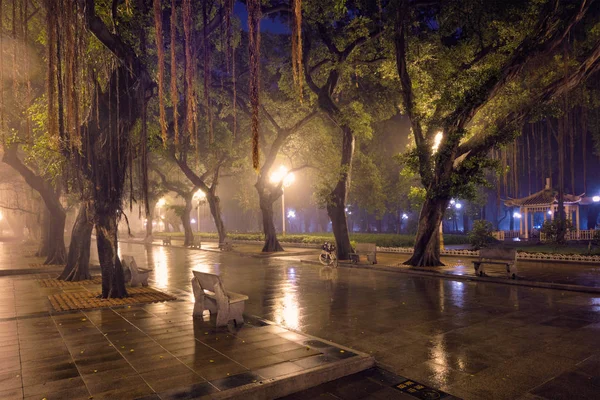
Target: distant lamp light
x=549, y=212
x=458, y=206
x=452, y=201
x=517, y=215
x=404, y=216
x=436, y=141
x=193, y=220
x=291, y=214
x=596, y=199
x=161, y=202
x=199, y=195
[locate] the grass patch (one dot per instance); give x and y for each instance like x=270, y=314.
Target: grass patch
x=380, y=239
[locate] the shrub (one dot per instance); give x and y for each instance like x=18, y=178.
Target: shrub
x=550, y=230
x=481, y=234
x=380, y=239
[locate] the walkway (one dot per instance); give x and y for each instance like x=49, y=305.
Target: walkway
x=470, y=339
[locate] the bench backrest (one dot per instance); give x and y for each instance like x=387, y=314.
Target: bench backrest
x=209, y=282
x=127, y=262
x=498, y=253
x=366, y=247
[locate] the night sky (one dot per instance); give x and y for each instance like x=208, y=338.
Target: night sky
x=266, y=24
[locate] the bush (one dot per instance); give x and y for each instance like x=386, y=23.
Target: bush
x=550, y=230
x=380, y=239
x=481, y=234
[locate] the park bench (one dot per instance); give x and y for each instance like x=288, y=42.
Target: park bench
x=368, y=249
x=134, y=274
x=226, y=245
x=211, y=295
x=497, y=255
x=196, y=244
x=166, y=241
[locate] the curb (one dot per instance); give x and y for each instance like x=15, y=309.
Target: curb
x=428, y=273
x=298, y=381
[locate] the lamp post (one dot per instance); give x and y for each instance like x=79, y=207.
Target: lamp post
x=434, y=148
x=199, y=195
x=160, y=204
x=286, y=178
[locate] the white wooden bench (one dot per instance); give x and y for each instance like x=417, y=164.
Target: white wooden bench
x=497, y=255
x=134, y=274
x=226, y=245
x=362, y=249
x=166, y=241
x=196, y=244
x=211, y=295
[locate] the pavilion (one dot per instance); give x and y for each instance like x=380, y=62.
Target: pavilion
x=546, y=202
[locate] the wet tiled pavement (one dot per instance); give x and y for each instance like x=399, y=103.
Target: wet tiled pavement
x=472, y=340
x=371, y=384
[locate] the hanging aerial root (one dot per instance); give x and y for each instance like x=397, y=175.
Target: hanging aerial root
x=161, y=68
x=254, y=15
x=174, y=93
x=297, y=46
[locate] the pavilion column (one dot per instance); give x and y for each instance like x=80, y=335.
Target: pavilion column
x=577, y=220
x=532, y=219
x=521, y=222
x=526, y=221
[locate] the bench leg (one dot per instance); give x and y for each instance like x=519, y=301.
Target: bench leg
x=236, y=313
x=511, y=270
x=223, y=317
x=478, y=269
x=199, y=299
x=135, y=279
x=210, y=305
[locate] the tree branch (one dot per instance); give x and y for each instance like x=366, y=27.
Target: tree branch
x=482, y=144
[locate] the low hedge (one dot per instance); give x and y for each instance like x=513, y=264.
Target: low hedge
x=380, y=239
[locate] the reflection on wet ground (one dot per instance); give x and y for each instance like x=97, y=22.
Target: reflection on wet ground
x=473, y=340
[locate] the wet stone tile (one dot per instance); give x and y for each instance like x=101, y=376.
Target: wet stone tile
x=189, y=392
x=278, y=370
x=234, y=381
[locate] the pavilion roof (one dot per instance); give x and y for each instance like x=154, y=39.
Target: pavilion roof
x=544, y=197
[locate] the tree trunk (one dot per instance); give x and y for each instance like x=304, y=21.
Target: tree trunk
x=465, y=222
x=271, y=241
x=50, y=194
x=427, y=242
x=185, y=221
x=78, y=259
x=113, y=280
x=572, y=150
x=57, y=253
x=44, y=248
x=215, y=209
x=584, y=146
x=562, y=126
x=149, y=228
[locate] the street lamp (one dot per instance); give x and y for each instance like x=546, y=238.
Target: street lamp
x=286, y=178
x=199, y=195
